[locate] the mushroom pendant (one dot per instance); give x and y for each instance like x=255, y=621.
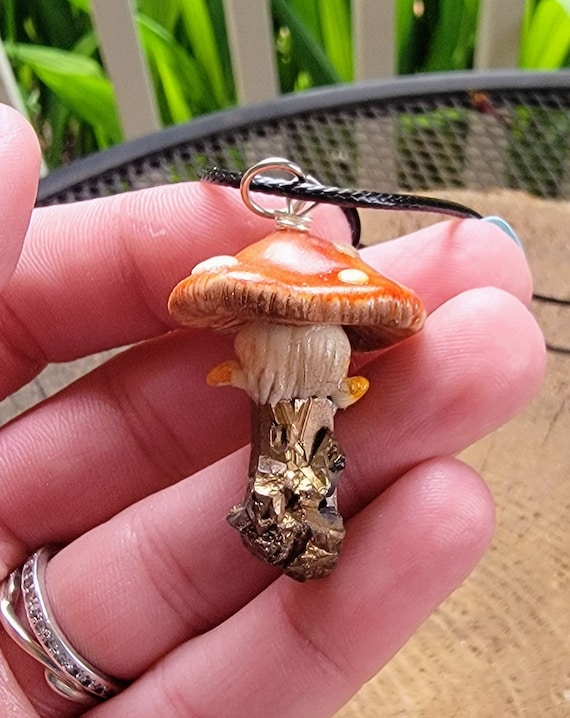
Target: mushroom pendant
x=298, y=305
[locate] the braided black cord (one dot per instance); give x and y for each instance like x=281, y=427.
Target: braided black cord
x=346, y=198
x=350, y=200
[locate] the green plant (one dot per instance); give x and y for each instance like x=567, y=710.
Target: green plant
x=435, y=36
x=71, y=102
x=69, y=97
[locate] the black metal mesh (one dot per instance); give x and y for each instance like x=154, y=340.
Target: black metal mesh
x=499, y=137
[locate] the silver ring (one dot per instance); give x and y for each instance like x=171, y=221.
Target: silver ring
x=295, y=214
x=66, y=672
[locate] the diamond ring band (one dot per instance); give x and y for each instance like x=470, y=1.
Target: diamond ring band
x=66, y=672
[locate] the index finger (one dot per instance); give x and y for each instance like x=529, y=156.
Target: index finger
x=18, y=145
x=97, y=274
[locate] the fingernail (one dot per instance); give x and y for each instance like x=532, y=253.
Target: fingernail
x=506, y=227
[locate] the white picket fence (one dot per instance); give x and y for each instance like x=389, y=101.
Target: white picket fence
x=250, y=40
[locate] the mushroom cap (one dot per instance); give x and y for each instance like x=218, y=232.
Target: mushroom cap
x=292, y=277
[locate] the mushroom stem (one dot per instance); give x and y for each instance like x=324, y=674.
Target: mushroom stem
x=289, y=515
x=297, y=379
x=278, y=362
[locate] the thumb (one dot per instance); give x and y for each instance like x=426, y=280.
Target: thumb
x=19, y=169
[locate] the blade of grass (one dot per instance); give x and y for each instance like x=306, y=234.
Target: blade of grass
x=165, y=13
x=170, y=96
x=9, y=23
x=405, y=48
x=419, y=23
x=466, y=36
x=220, y=31
x=529, y=8
x=87, y=45
x=308, y=13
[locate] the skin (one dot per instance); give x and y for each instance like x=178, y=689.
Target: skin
x=135, y=465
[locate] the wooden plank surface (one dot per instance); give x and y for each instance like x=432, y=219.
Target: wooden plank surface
x=250, y=38
x=498, y=33
x=126, y=65
x=373, y=33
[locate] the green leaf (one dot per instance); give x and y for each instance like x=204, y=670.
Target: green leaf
x=53, y=60
x=565, y=5
x=466, y=36
x=406, y=49
x=546, y=44
x=87, y=45
x=444, y=41
x=337, y=36
x=307, y=51
x=184, y=89
x=198, y=25
x=9, y=21
x=415, y=27
x=165, y=12
x=220, y=30
x=83, y=5
x=308, y=12
x=78, y=82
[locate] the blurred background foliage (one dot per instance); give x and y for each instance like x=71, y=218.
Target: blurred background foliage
x=54, y=52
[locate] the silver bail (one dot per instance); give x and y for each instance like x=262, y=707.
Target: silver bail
x=295, y=215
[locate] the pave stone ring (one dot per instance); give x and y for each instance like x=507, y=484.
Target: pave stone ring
x=66, y=671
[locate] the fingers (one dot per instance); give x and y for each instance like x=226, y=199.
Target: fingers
x=140, y=424
x=135, y=425
x=141, y=406
x=13, y=701
x=98, y=274
x=171, y=557
x=441, y=393
x=450, y=257
x=20, y=163
x=298, y=650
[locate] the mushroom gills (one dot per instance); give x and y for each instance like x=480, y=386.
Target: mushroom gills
x=279, y=362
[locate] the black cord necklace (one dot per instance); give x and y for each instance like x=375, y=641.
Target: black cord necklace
x=350, y=200
x=306, y=189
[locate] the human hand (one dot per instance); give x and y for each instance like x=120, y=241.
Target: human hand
x=152, y=586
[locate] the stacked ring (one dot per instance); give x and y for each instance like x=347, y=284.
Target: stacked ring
x=66, y=672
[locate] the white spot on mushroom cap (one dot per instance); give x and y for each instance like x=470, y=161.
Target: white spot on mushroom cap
x=353, y=276
x=223, y=260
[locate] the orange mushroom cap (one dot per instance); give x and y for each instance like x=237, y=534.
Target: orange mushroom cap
x=293, y=277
